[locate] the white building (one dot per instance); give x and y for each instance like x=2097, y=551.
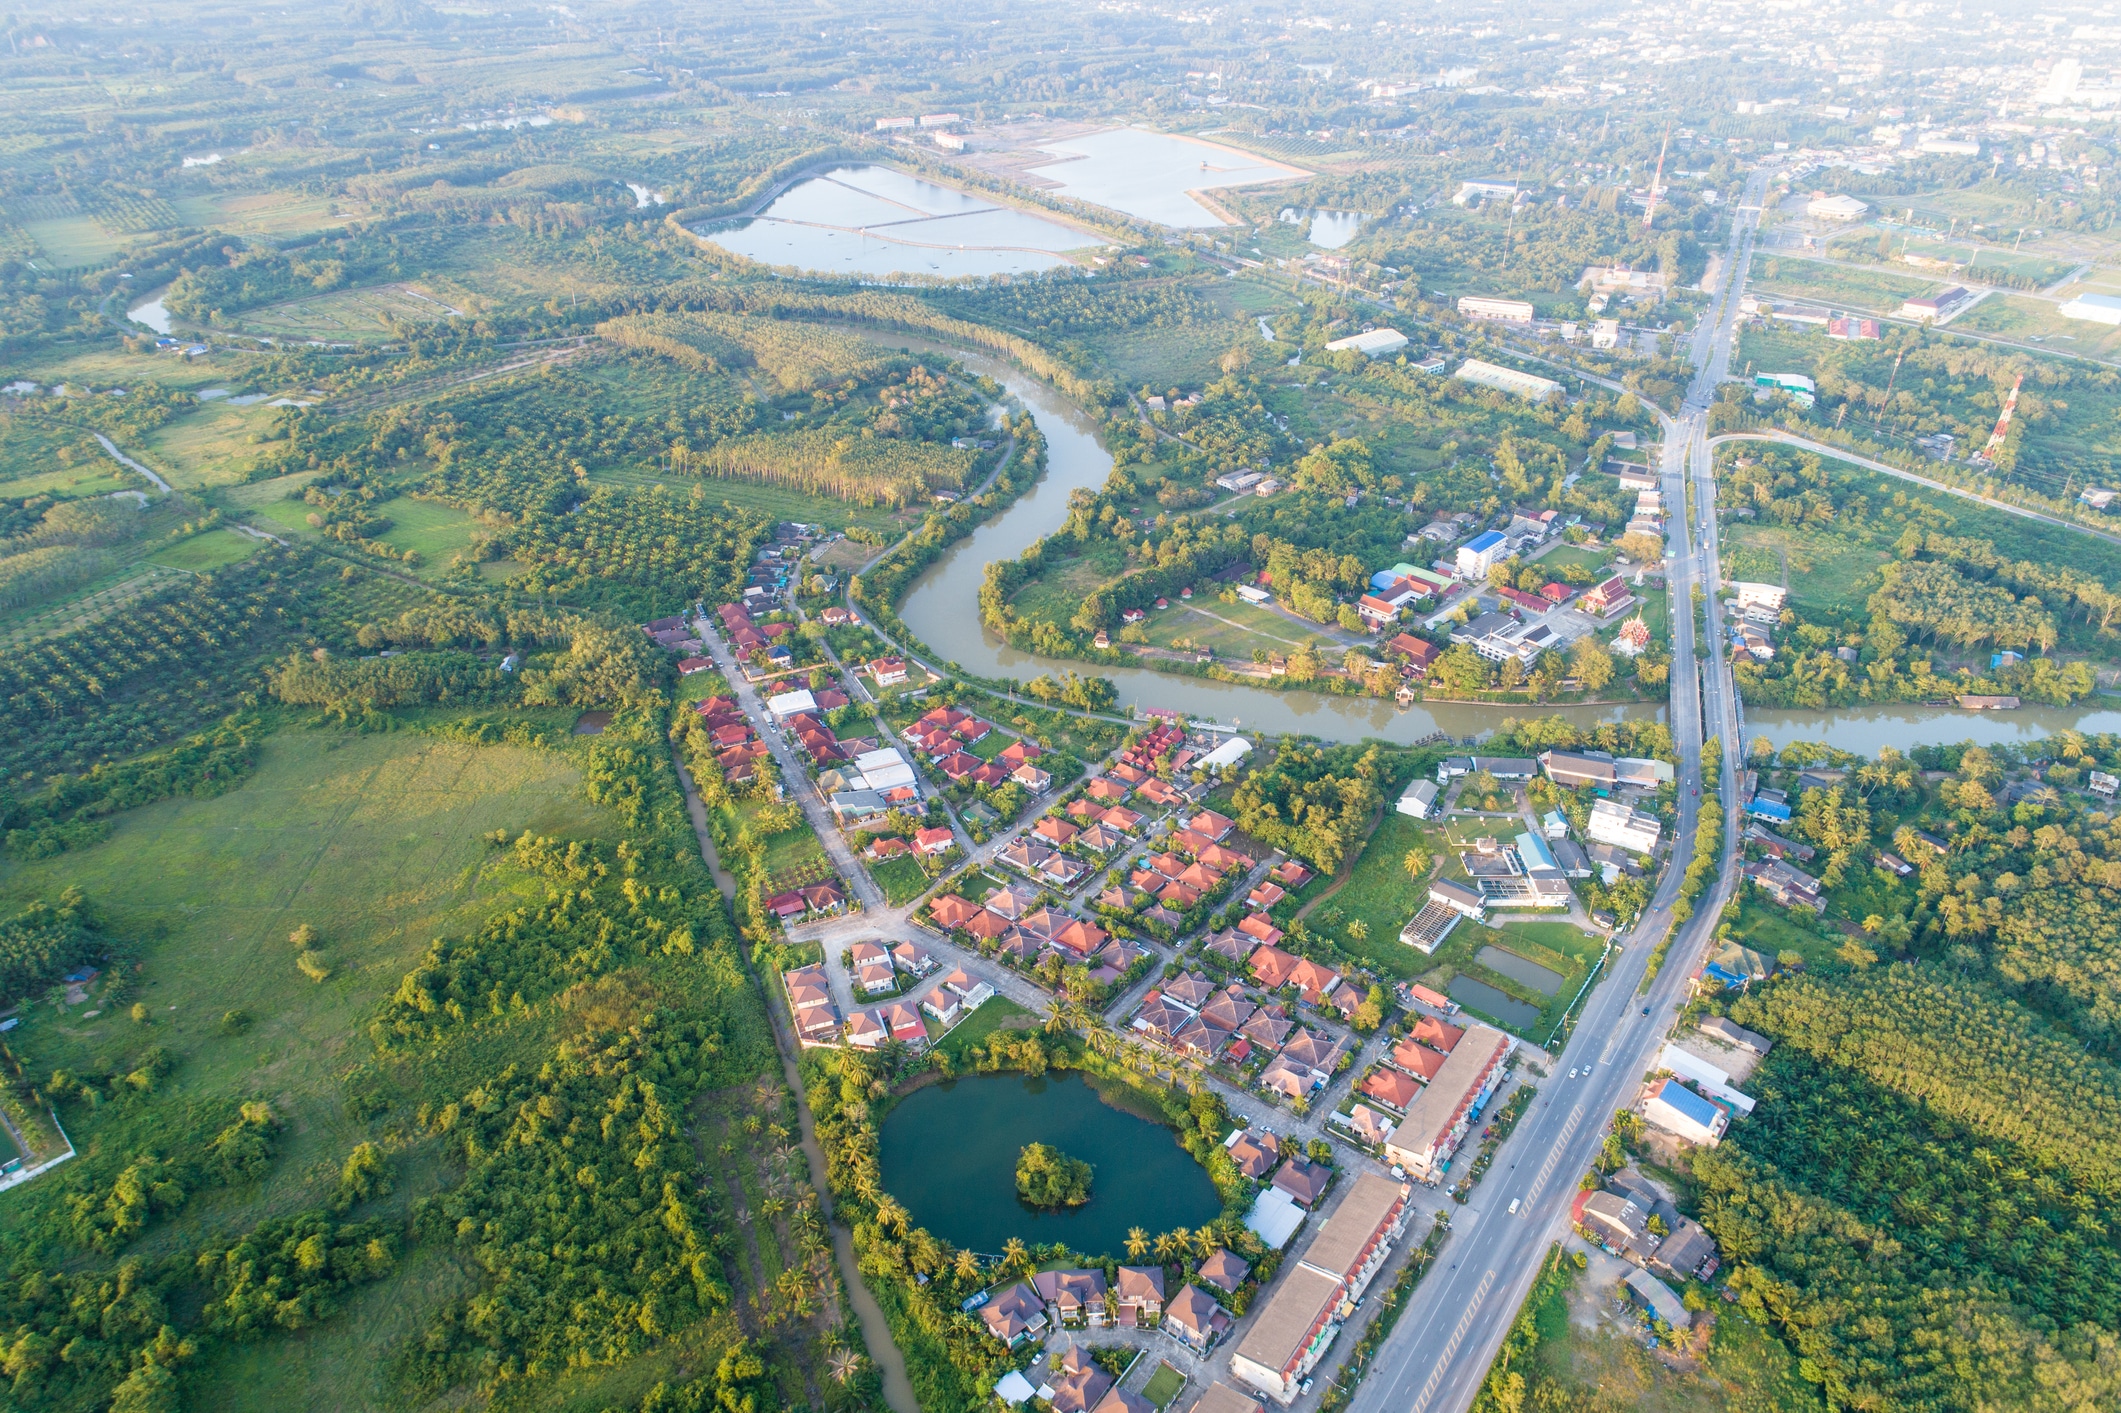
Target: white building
x=1223, y=757
x=1375, y=344
x=2094, y=308
x=1509, y=311
x=789, y=704
x=1509, y=380
x=1614, y=823
x=1482, y=553
x=1605, y=333
x=884, y=769
x=1470, y=193
x=1419, y=799
x=1838, y=207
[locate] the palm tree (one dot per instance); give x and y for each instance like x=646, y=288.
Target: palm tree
x=890, y=1215
x=1014, y=1256
x=967, y=1267
x=1206, y=1241
x=1137, y=1243
x=1164, y=1246
x=1059, y=1015
x=843, y=1364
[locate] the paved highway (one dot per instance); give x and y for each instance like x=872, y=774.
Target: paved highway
x=1438, y=1354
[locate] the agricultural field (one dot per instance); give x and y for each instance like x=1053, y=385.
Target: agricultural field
x=436, y=533
x=2039, y=321
x=204, y=552
x=1822, y=570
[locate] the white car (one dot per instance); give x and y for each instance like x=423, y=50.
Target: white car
x=1515, y=1203
x=1572, y=1071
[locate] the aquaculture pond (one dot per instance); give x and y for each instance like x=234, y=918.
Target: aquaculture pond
x=948, y=1153
x=1493, y=1001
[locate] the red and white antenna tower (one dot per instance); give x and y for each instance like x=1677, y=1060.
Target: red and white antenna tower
x=1649, y=212
x=2003, y=423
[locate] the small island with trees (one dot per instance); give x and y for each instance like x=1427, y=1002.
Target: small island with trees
x=1047, y=1177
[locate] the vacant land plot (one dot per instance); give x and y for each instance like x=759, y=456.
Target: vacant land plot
x=774, y=501
x=2039, y=321
x=375, y=841
x=997, y=1013
x=1837, y=284
x=348, y=314
x=900, y=878
x=1824, y=571
x=211, y=447
x=1055, y=594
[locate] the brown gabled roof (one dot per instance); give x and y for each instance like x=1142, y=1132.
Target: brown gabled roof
x=1225, y=1270
x=1139, y=1283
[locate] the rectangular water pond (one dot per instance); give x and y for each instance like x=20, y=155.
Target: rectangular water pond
x=1488, y=1000
x=1541, y=979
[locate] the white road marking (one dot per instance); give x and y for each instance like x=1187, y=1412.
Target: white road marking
x=1450, y=1350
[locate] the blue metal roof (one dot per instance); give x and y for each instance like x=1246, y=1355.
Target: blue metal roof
x=1687, y=1102
x=1482, y=543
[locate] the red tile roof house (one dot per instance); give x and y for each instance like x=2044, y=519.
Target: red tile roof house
x=1259, y=928
x=787, y=906
x=1195, y=1319
x=1390, y=1087
x=1073, y=1295
x=951, y=912
x=888, y=671
x=1021, y=750
x=904, y=1023
x=1290, y=874
x=1265, y=896
x=1141, y=1293
x=933, y=841
x=1106, y=790
x=1056, y=829
x=1271, y=966
x=1085, y=811
x=1225, y=1270
x=1417, y=1060
x=1313, y=980
x=912, y=957
x=1210, y=823
x=1304, y=1181
x=1014, y=1313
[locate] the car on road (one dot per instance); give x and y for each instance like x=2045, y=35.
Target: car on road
x=1515, y=1203
x=1645, y=1010
x=1573, y=1069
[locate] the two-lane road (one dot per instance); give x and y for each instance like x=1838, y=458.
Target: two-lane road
x=1437, y=1356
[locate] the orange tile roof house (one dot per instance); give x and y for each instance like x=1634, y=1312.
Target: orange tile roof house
x=1265, y=896
x=933, y=841
x=1391, y=1087
x=1313, y=980
x=1121, y=818
x=1291, y=874
x=1417, y=1060
x=1210, y=823
x=1107, y=790
x=1371, y=1126
x=1056, y=829
x=1273, y=967
x=1258, y=927
x=1436, y=1034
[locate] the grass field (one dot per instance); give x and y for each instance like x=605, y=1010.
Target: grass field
x=208, y=551
x=72, y=241
x=1057, y=592
x=1837, y=284
x=900, y=878
x=208, y=448
x=348, y=314
x=374, y=840
x=2038, y=321
x=1163, y=358
x=1827, y=572
x=438, y=532
x=1164, y=1386
x=1747, y=1370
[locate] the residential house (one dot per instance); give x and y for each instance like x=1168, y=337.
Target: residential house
x=1788, y=885
x=1255, y=1153
x=1014, y=1313
x=1436, y=1034
x=1055, y=829
x=1259, y=929
x=866, y=1030
x=1290, y=874
x=1032, y=778
x=933, y=841
x=1390, y=1087
x=943, y=1004
x=1265, y=896
x=1731, y=1033
x=950, y=912
x=903, y=1022
x=1208, y=822
x=1616, y=1222
x=1286, y=1078
x=1572, y=770
x=1267, y=1028
x=1369, y=1125
x=1072, y=1295
x=1140, y=1293
x=1224, y=1270
x=1080, y=1385
x=1622, y=826
x=1419, y=1061
x=1318, y=1052
x=1271, y=966
x=911, y=957
x=1195, y=1319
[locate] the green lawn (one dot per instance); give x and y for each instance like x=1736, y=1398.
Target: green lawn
x=1055, y=594
x=773, y=500
x=900, y=878
x=1164, y=1386
x=208, y=551
x=1382, y=897
x=995, y=1013
x=2038, y=321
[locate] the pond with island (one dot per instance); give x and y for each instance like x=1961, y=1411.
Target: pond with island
x=948, y=1153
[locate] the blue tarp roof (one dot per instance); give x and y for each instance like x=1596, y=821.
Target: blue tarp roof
x=1769, y=809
